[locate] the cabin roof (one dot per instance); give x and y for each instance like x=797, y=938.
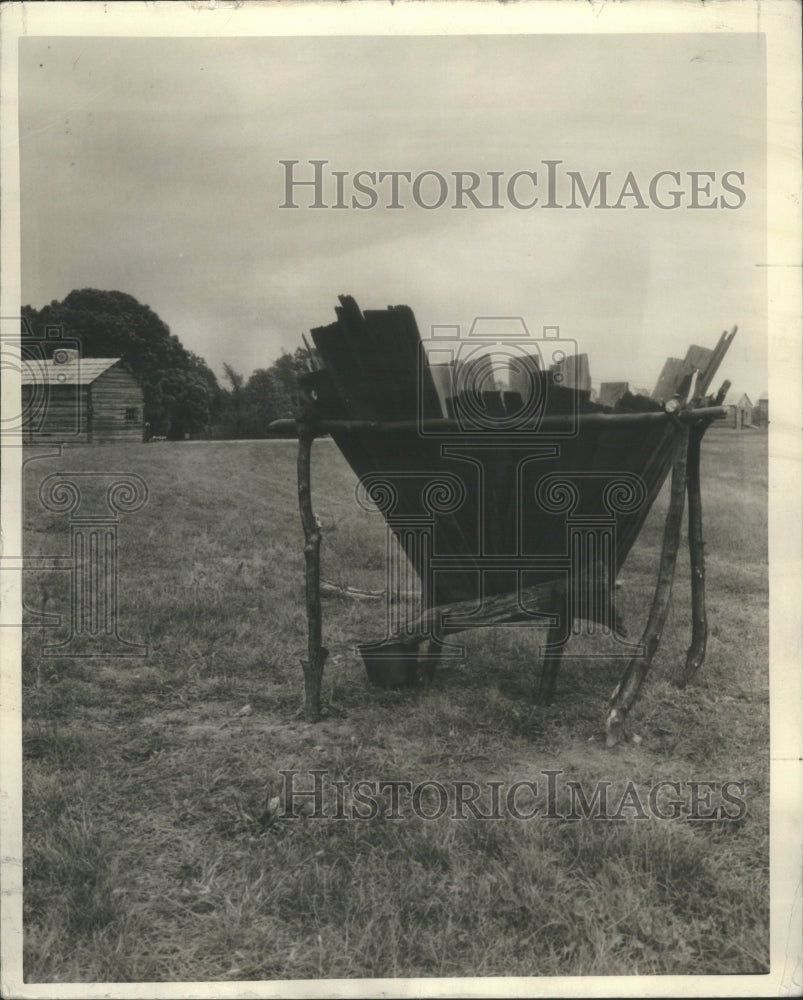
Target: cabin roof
x=76, y=371
x=737, y=398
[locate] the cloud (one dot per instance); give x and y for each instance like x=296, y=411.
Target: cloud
x=152, y=166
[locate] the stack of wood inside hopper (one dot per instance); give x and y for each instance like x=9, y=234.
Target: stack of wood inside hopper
x=372, y=367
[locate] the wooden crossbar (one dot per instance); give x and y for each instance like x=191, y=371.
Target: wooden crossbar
x=447, y=425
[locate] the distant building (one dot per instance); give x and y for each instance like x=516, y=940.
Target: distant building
x=78, y=400
x=740, y=411
x=761, y=414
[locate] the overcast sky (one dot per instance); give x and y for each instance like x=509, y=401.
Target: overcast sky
x=151, y=166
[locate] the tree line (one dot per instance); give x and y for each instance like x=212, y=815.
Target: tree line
x=182, y=395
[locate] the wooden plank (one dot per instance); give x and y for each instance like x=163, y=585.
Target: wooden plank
x=314, y=361
x=611, y=392
x=719, y=353
x=699, y=357
x=335, y=354
x=442, y=376
x=450, y=426
x=318, y=389
x=62, y=416
x=391, y=348
x=636, y=403
x=671, y=377
x=574, y=372
x=112, y=394
x=342, y=346
x=395, y=395
x=628, y=687
x=417, y=365
x=499, y=610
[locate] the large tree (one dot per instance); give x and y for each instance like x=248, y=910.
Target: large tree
x=181, y=392
x=249, y=406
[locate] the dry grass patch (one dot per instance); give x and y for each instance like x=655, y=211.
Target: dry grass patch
x=149, y=854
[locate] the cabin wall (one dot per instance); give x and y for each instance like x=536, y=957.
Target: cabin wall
x=55, y=413
x=117, y=407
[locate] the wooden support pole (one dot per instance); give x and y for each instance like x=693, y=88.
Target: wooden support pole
x=457, y=616
x=555, y=421
x=699, y=636
x=627, y=689
x=430, y=660
x=553, y=652
x=316, y=654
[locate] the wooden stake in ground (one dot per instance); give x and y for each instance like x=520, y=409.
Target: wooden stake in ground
x=627, y=689
x=699, y=636
x=553, y=650
x=316, y=654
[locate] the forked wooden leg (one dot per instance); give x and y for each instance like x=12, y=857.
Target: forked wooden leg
x=627, y=689
x=430, y=660
x=553, y=652
x=699, y=636
x=316, y=654
x=430, y=649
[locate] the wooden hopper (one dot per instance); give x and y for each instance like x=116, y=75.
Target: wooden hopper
x=523, y=505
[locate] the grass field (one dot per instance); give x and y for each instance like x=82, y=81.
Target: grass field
x=150, y=853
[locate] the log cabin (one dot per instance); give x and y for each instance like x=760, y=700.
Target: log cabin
x=78, y=400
